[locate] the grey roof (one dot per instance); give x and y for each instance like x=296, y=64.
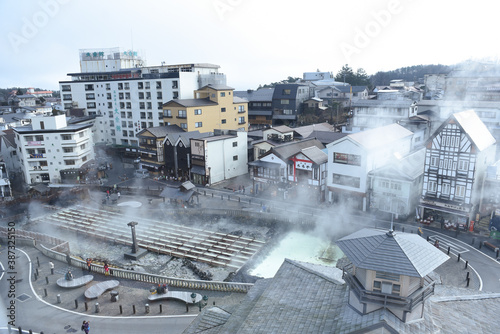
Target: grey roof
x=259, y=95
x=306, y=130
x=237, y=99
x=161, y=131
x=287, y=150
x=407, y=168
x=326, y=137
x=383, y=103
x=191, y=102
x=475, y=129
x=176, y=193
x=260, y=112
x=315, y=155
x=217, y=87
x=347, y=89
x=281, y=129
x=399, y=253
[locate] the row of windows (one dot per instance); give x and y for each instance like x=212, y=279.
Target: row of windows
x=463, y=165
x=348, y=159
x=39, y=138
x=123, y=85
x=446, y=189
x=389, y=185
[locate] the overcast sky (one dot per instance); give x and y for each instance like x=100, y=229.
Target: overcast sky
x=254, y=41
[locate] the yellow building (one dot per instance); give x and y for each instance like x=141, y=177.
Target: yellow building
x=214, y=107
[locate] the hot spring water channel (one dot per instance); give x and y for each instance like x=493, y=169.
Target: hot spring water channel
x=300, y=247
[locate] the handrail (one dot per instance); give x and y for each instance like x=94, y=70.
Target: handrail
x=149, y=278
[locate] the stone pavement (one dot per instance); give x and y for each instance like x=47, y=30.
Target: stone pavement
x=131, y=293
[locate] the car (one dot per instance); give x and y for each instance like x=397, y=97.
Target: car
x=137, y=160
x=141, y=173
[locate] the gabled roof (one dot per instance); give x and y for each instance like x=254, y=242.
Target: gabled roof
x=327, y=137
x=475, y=129
x=237, y=99
x=315, y=155
x=407, y=168
x=191, y=102
x=281, y=129
x=380, y=136
x=217, y=87
x=399, y=253
x=306, y=130
x=287, y=150
x=161, y=131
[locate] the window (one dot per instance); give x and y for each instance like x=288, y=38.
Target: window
x=167, y=113
x=90, y=96
x=66, y=137
x=184, y=126
x=67, y=149
x=445, y=189
x=463, y=165
x=83, y=146
x=148, y=95
x=222, y=94
x=346, y=180
x=120, y=85
x=69, y=162
x=222, y=109
x=348, y=159
x=241, y=108
x=127, y=85
x=66, y=88
x=285, y=101
x=127, y=96
x=91, y=105
x=129, y=105
x=235, y=157
x=158, y=84
x=159, y=95
x=460, y=191
x=110, y=105
x=223, y=121
x=241, y=120
x=120, y=96
x=434, y=161
x=287, y=91
x=149, y=105
x=235, y=144
x=181, y=114
x=160, y=105
x=140, y=85
x=146, y=85
x=175, y=84
x=432, y=187
x=141, y=95
x=142, y=105
x=175, y=95
x=108, y=96
x=89, y=87
x=67, y=97
x=108, y=86
x=198, y=124
x=197, y=111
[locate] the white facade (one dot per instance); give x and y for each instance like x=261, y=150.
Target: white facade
x=130, y=98
x=352, y=157
x=49, y=146
x=227, y=157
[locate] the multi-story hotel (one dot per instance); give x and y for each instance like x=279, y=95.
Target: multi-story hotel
x=49, y=148
x=215, y=107
x=117, y=86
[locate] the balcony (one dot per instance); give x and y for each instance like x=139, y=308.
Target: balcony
x=36, y=156
x=241, y=111
x=406, y=304
x=182, y=117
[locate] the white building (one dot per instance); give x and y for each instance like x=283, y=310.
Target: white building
x=218, y=158
x=352, y=157
x=117, y=85
x=50, y=146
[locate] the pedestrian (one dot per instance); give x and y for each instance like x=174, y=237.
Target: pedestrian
x=106, y=269
x=436, y=243
x=51, y=265
x=86, y=327
x=118, y=194
x=89, y=264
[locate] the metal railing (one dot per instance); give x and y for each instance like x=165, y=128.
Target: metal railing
x=148, y=278
x=387, y=300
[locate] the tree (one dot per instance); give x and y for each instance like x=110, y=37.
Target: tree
x=19, y=92
x=358, y=78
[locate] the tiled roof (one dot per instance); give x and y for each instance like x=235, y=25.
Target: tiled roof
x=259, y=95
x=285, y=151
x=191, y=102
x=306, y=130
x=327, y=137
x=161, y=131
x=315, y=155
x=399, y=253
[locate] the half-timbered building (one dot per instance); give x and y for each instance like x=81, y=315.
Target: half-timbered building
x=457, y=156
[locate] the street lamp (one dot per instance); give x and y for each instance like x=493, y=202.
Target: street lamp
x=193, y=297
